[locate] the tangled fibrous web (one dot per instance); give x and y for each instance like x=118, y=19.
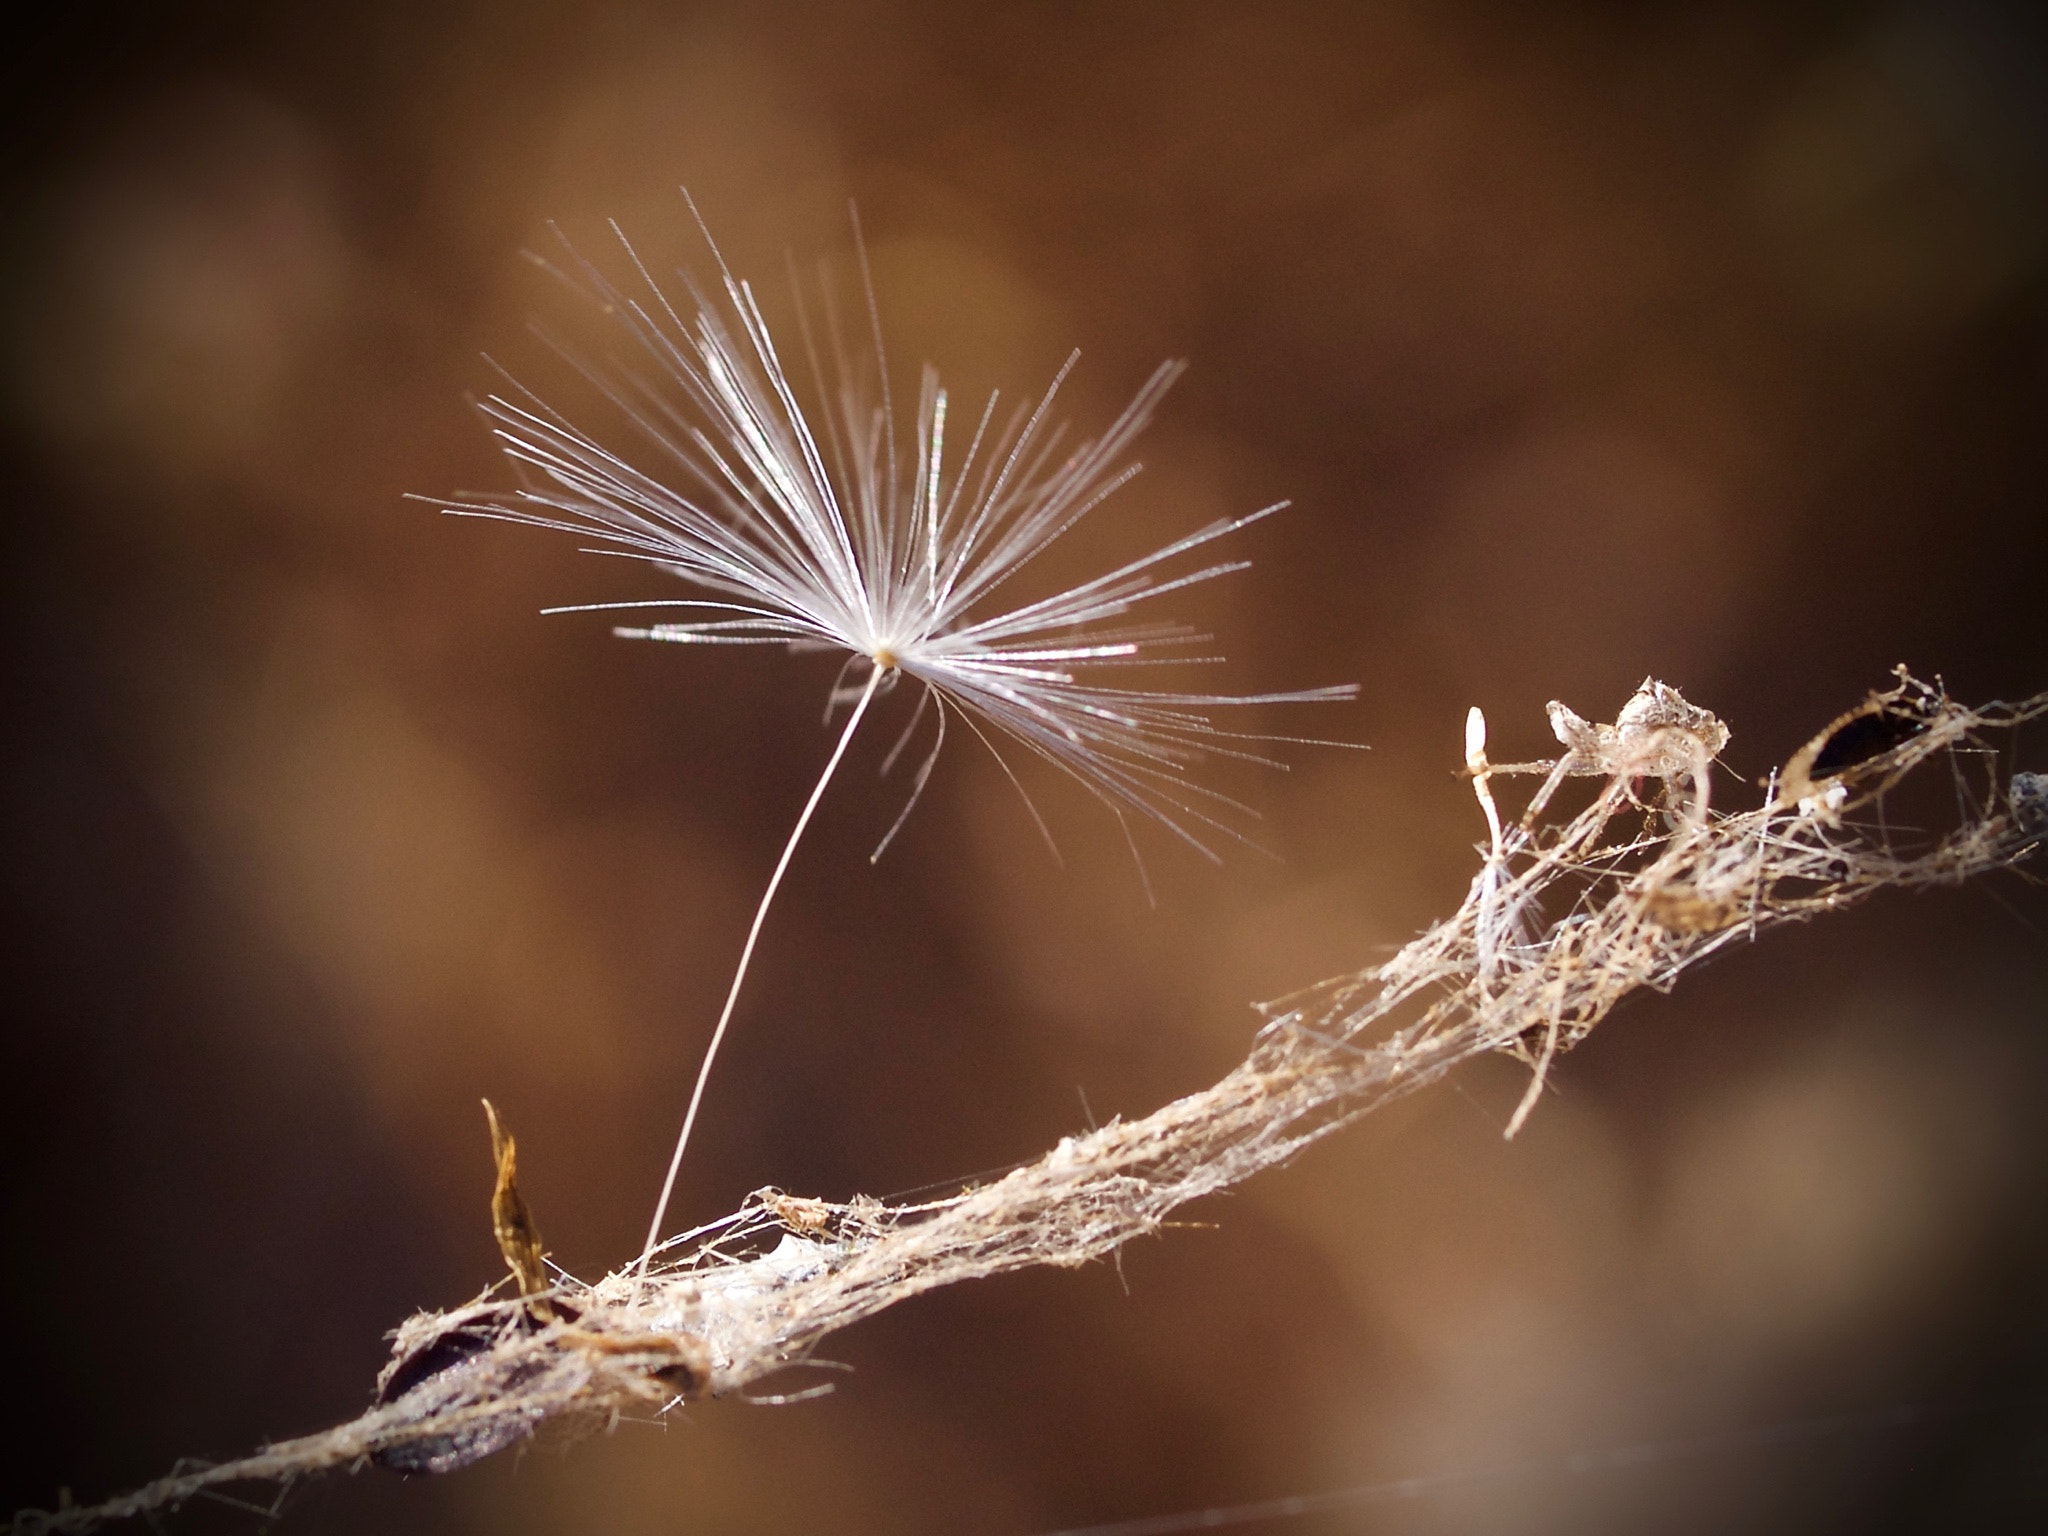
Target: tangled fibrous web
x=1571, y=910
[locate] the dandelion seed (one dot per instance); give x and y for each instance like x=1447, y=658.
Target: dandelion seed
x=832, y=538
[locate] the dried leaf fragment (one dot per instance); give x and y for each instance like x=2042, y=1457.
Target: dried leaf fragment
x=512, y=1223
x=805, y=1217
x=1657, y=735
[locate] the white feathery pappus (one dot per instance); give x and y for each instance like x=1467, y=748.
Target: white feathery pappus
x=830, y=536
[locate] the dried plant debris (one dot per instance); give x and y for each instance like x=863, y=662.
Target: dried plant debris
x=1571, y=910
x=512, y=1224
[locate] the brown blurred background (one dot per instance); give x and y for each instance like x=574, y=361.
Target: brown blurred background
x=1590, y=341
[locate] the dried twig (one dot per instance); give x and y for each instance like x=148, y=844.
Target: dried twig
x=1569, y=914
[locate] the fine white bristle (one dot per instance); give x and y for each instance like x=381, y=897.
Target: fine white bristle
x=812, y=537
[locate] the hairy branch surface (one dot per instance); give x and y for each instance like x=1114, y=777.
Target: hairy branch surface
x=1571, y=911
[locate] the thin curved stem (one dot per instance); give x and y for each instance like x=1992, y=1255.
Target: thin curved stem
x=747, y=954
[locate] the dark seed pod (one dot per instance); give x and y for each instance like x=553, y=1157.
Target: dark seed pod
x=1883, y=723
x=446, y=1361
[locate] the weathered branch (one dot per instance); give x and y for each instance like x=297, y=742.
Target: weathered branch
x=1568, y=914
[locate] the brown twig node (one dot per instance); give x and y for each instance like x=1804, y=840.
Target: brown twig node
x=1571, y=911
